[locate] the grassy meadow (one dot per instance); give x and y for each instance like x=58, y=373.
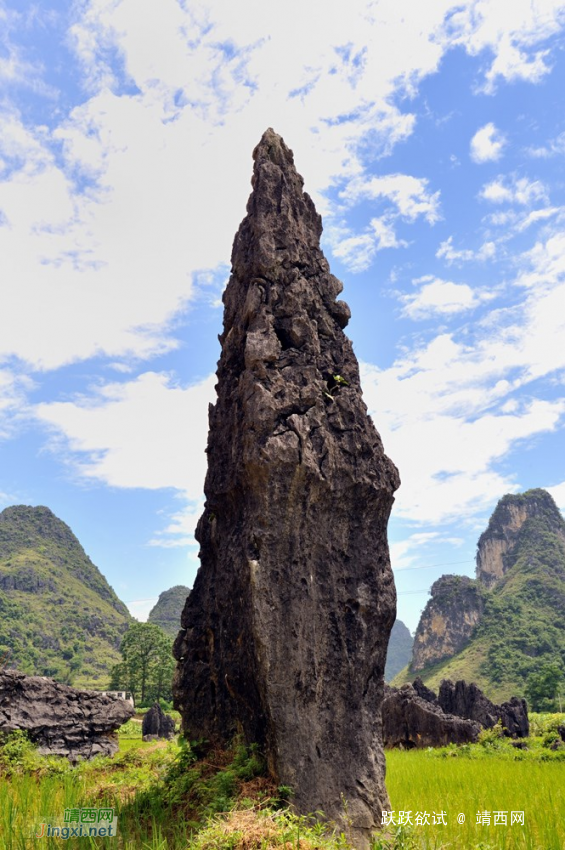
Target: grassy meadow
x=169, y=796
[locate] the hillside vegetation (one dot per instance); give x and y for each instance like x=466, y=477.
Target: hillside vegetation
x=58, y=615
x=522, y=626
x=399, y=649
x=168, y=608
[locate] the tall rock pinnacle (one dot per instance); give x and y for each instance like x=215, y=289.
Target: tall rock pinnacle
x=285, y=633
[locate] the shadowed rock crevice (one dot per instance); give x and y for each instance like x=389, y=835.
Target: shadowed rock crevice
x=285, y=632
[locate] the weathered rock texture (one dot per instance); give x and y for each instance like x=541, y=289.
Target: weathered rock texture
x=447, y=621
x=59, y=719
x=502, y=627
x=467, y=700
x=413, y=716
x=494, y=550
x=157, y=724
x=410, y=720
x=285, y=632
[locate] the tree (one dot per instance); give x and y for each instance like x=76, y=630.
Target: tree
x=147, y=666
x=543, y=688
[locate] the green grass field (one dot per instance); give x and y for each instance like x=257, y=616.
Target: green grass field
x=166, y=799
x=418, y=781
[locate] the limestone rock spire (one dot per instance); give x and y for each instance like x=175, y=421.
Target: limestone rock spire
x=286, y=629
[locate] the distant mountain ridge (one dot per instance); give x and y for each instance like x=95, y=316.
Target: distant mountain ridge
x=168, y=608
x=59, y=616
x=509, y=621
x=399, y=650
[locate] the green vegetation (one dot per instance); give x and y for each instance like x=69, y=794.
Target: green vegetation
x=147, y=664
x=58, y=615
x=399, y=650
x=545, y=689
x=522, y=629
x=177, y=796
x=168, y=608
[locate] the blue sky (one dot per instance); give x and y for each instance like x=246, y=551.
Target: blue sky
x=432, y=139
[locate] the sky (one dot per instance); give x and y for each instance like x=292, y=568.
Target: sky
x=431, y=137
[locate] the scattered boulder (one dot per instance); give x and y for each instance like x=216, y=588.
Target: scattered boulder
x=156, y=724
x=414, y=717
x=423, y=691
x=59, y=719
x=410, y=720
x=468, y=701
x=284, y=635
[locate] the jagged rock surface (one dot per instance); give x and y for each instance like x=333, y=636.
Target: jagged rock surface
x=494, y=550
x=448, y=620
x=285, y=632
x=519, y=596
x=157, y=724
x=410, y=720
x=468, y=701
x=61, y=720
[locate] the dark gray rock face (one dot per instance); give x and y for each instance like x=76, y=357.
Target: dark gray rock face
x=284, y=634
x=468, y=701
x=157, y=724
x=423, y=691
x=59, y=719
x=411, y=721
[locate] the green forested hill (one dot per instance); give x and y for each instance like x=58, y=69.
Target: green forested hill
x=58, y=615
x=168, y=608
x=522, y=626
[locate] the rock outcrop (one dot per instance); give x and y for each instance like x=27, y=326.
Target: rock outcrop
x=448, y=620
x=157, y=724
x=468, y=701
x=507, y=624
x=59, y=719
x=410, y=721
x=284, y=634
x=168, y=608
x=494, y=550
x=413, y=716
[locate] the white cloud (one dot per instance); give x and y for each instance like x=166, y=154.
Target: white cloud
x=555, y=147
x=144, y=433
x=13, y=392
x=441, y=298
x=180, y=530
x=447, y=252
x=404, y=553
x=409, y=195
x=357, y=252
x=405, y=198
x=487, y=144
x=511, y=38
x=558, y=493
x=449, y=410
x=154, y=170
x=141, y=608
x=514, y=190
